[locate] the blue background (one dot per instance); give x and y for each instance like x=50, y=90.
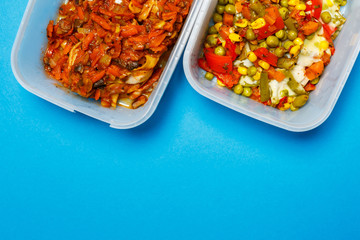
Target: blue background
x=195, y=170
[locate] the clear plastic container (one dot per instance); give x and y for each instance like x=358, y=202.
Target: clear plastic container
x=322, y=100
x=26, y=61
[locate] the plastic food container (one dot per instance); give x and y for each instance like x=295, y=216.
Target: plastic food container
x=26, y=61
x=322, y=100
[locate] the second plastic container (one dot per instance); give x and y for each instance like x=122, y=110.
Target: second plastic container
x=322, y=100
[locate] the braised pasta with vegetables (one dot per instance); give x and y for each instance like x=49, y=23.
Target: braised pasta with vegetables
x=113, y=50
x=272, y=51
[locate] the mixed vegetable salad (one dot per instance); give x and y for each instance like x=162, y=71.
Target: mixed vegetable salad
x=113, y=50
x=272, y=51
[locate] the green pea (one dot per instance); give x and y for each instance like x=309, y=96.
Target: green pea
x=310, y=37
x=209, y=76
x=300, y=101
x=288, y=45
x=284, y=12
x=280, y=52
x=315, y=81
x=230, y=9
x=250, y=35
x=280, y=34
x=292, y=35
x=247, y=92
x=212, y=30
x=284, y=3
x=217, y=18
x=263, y=45
x=238, y=89
x=237, y=18
x=286, y=63
x=232, y=2
x=326, y=17
x=212, y=40
x=272, y=41
x=252, y=71
x=220, y=51
x=257, y=7
x=284, y=93
x=223, y=2
x=339, y=2
x=220, y=9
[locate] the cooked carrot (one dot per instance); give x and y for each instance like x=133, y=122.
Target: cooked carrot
x=97, y=94
x=228, y=19
x=238, y=7
x=80, y=13
x=101, y=21
x=87, y=41
x=310, y=27
x=50, y=29
x=315, y=70
x=277, y=75
x=97, y=76
x=128, y=31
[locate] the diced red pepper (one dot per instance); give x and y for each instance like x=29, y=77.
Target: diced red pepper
x=282, y=102
x=329, y=29
x=315, y=8
x=310, y=87
x=229, y=79
x=269, y=30
x=203, y=64
x=230, y=46
x=219, y=64
x=266, y=56
x=246, y=12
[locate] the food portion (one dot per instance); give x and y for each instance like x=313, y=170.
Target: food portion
x=272, y=51
x=113, y=50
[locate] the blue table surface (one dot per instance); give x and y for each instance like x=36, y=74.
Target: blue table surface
x=195, y=170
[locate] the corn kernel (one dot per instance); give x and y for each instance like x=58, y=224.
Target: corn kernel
x=234, y=37
x=220, y=83
x=218, y=26
x=117, y=30
x=293, y=2
x=257, y=76
x=302, y=13
x=258, y=23
x=298, y=41
x=287, y=106
x=295, y=50
x=293, y=108
x=291, y=99
x=324, y=45
x=243, y=70
x=242, y=23
x=329, y=3
x=252, y=57
x=300, y=7
x=264, y=65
